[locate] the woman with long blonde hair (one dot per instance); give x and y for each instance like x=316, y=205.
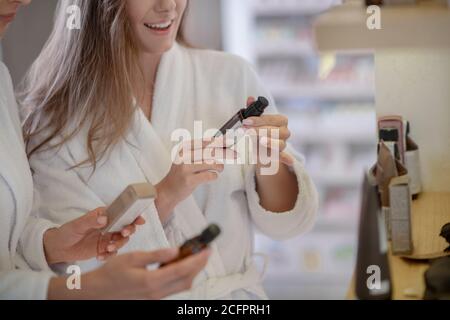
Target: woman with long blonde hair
x=104, y=103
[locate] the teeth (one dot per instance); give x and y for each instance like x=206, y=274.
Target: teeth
x=159, y=25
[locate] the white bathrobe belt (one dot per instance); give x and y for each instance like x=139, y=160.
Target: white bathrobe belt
x=221, y=287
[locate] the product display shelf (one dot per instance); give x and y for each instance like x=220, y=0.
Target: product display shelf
x=277, y=37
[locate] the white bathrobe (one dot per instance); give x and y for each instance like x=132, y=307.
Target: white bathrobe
x=191, y=85
x=19, y=231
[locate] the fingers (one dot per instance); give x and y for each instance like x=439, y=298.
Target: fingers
x=275, y=120
x=117, y=245
x=142, y=259
x=93, y=220
x=111, y=243
x=128, y=230
x=173, y=278
x=191, y=145
x=107, y=255
x=250, y=100
x=221, y=142
x=204, y=177
x=185, y=268
x=274, y=144
x=104, y=242
x=139, y=221
x=218, y=155
x=199, y=168
x=282, y=133
x=131, y=229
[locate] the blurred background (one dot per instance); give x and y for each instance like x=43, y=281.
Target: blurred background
x=328, y=98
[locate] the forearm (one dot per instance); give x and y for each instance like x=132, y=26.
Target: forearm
x=91, y=288
x=52, y=253
x=165, y=204
x=279, y=192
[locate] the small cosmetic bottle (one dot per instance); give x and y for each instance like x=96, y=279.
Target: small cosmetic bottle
x=197, y=244
x=256, y=109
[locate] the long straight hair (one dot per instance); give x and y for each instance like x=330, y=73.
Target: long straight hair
x=82, y=78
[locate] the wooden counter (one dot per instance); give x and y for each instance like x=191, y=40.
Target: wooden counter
x=429, y=213
x=407, y=279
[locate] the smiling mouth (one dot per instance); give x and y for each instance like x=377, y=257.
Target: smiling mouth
x=159, y=26
x=8, y=18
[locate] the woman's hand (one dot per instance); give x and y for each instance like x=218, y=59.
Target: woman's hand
x=81, y=239
x=272, y=132
x=277, y=187
x=126, y=277
x=197, y=162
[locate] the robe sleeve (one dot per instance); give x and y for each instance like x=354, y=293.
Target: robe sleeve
x=24, y=285
x=302, y=217
x=31, y=244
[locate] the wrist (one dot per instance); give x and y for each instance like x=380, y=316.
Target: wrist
x=164, y=202
x=92, y=287
x=53, y=253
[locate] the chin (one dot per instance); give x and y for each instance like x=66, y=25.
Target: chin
x=160, y=49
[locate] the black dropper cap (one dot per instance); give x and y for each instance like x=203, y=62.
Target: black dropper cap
x=256, y=109
x=389, y=135
x=210, y=234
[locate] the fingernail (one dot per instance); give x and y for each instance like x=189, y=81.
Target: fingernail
x=102, y=220
x=111, y=248
x=248, y=122
x=125, y=233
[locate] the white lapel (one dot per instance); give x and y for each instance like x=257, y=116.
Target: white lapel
x=15, y=170
x=187, y=215
x=173, y=89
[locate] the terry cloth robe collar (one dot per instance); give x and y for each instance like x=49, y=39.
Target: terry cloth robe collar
x=187, y=213
x=14, y=165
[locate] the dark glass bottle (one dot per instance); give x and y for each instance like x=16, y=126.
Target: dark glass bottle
x=256, y=109
x=197, y=244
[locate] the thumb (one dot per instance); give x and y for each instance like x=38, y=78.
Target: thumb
x=143, y=259
x=93, y=220
x=250, y=100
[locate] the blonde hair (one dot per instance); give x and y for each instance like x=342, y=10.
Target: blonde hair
x=82, y=78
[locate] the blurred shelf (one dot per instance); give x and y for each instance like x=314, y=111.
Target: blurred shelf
x=283, y=48
x=322, y=136
x=407, y=26
x=346, y=225
x=336, y=178
x=323, y=91
x=307, y=277
x=298, y=8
